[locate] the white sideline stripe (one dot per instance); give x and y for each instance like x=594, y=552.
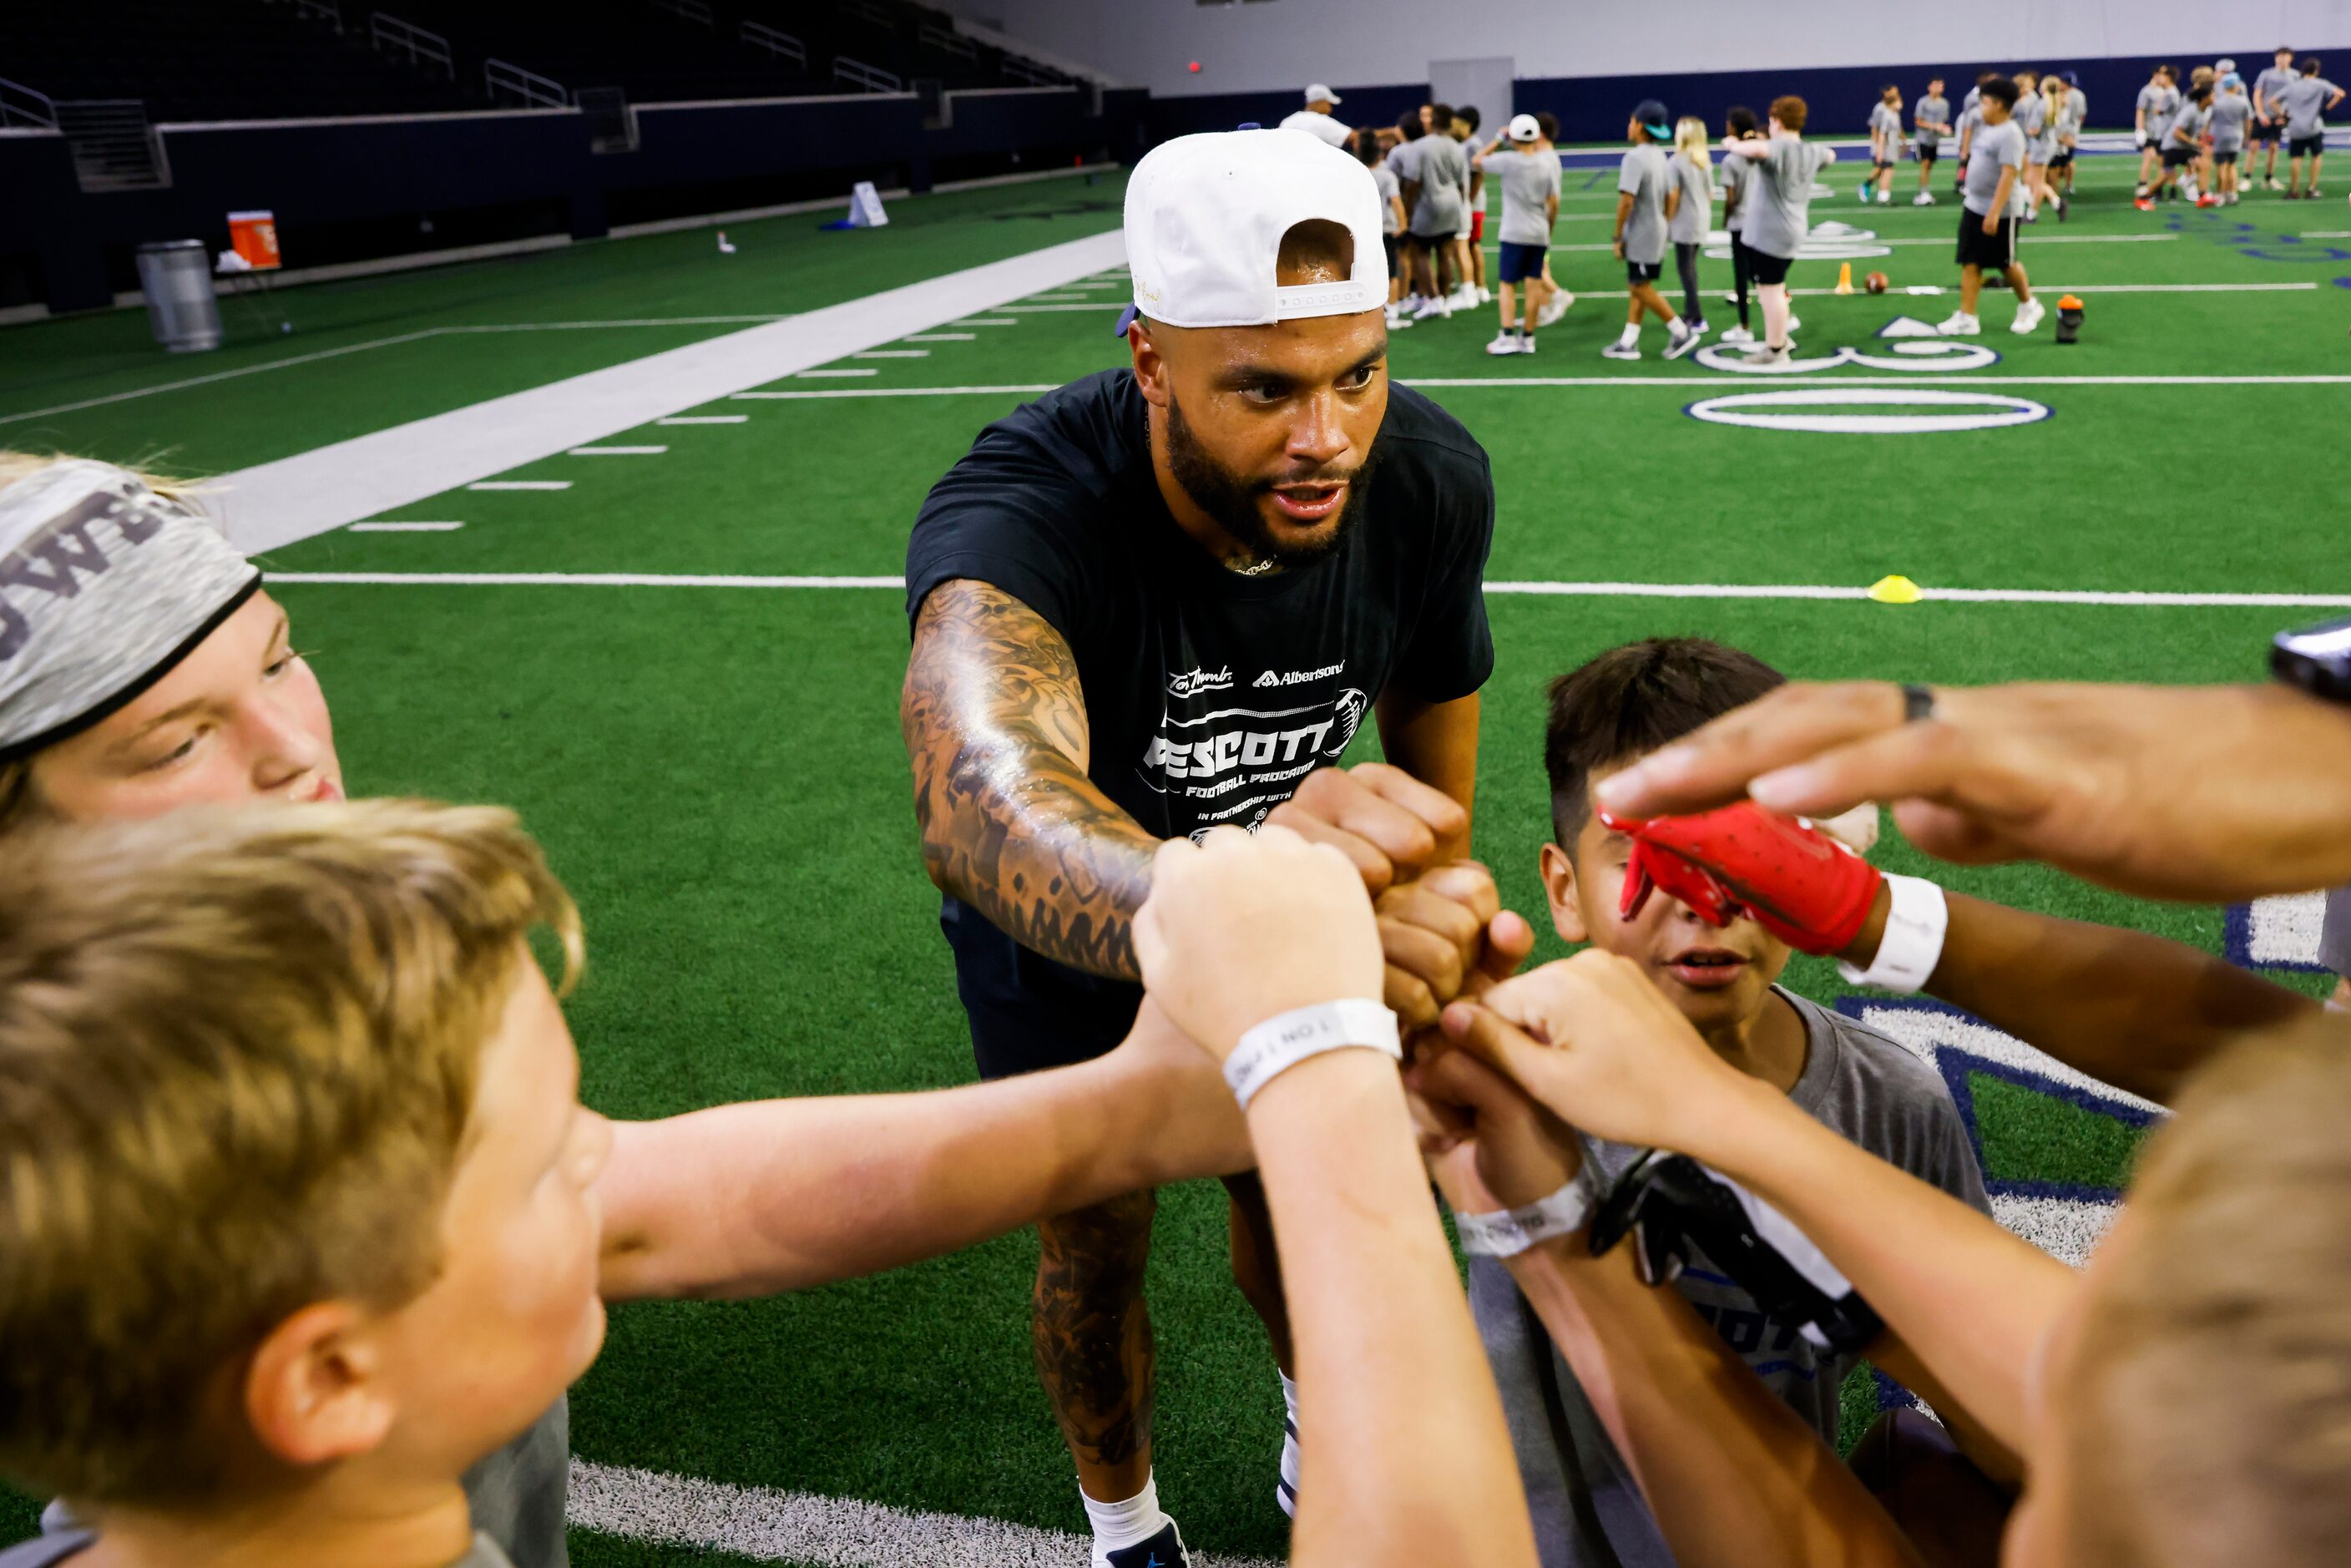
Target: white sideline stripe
x=2067, y=1229
x=890, y=391
x=891, y=354
x=393, y=341
x=1943, y=240
x=1549, y=589
x=616, y=452
x=843, y=371
x=940, y=337
x=405, y=527
x=2287, y=929
x=703, y=419
x=277, y=503
x=518, y=485
x=770, y=1525
x=984, y=321
x=1056, y=296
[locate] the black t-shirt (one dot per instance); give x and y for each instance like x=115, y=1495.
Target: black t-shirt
x=1208, y=694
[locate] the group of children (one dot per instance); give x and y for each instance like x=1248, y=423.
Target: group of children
x=2190, y=143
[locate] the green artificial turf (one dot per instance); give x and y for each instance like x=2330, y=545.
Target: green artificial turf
x=718, y=774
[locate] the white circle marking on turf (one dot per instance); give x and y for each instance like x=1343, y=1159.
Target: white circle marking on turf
x=1935, y=356
x=1805, y=408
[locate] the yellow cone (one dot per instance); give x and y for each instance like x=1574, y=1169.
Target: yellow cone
x=1844, y=278
x=1896, y=590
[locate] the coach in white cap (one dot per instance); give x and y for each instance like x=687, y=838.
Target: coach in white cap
x=1316, y=119
x=1161, y=598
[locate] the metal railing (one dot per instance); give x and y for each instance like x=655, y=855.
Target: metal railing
x=868, y=11
x=693, y=11
x=865, y=77
x=418, y=45
x=22, y=105
x=945, y=42
x=113, y=147
x=781, y=45
x=535, y=90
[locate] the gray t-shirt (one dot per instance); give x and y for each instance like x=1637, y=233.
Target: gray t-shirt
x=1780, y=200
x=516, y=1494
x=50, y=1551
x=2188, y=126
x=1444, y=174
x=2160, y=104
x=1643, y=174
x=1927, y=115
x=1737, y=177
x=1886, y=121
x=2271, y=85
x=2032, y=117
x=1996, y=147
x=1391, y=190
x=2230, y=113
x=1587, y=1507
x=1696, y=211
x=2303, y=100
x=2077, y=112
x=1529, y=181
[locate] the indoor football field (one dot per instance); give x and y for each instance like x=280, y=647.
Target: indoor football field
x=674, y=641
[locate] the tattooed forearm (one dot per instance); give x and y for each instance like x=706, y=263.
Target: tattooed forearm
x=995, y=724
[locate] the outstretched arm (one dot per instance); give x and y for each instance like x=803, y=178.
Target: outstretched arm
x=995, y=724
x=781, y=1195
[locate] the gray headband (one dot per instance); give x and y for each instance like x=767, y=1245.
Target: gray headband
x=104, y=586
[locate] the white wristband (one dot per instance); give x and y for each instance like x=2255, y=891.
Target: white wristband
x=1912, y=942
x=1284, y=1041
x=1507, y=1232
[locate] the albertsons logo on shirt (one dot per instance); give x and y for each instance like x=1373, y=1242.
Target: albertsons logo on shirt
x=1192, y=683
x=1296, y=677
x=1235, y=765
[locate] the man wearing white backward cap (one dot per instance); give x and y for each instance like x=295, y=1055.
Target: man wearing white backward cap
x=1316, y=119
x=1163, y=599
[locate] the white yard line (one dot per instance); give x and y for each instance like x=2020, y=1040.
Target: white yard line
x=510, y=484
x=1105, y=306
x=891, y=354
x=890, y=391
x=616, y=452
x=405, y=527
x=1032, y=389
x=770, y=1525
x=295, y=498
x=984, y=321
x=703, y=419
x=940, y=337
x=842, y=370
x=1566, y=590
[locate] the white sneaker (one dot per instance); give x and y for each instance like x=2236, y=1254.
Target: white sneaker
x=1681, y=342
x=1923, y=199
x=1485, y=295
x=1961, y=325
x=1526, y=345
x=1730, y=296
x=1463, y=298
x=1432, y=305
x=1884, y=197
x=1795, y=325
x=1505, y=342
x=1764, y=357
x=2028, y=317
x=1620, y=351
x=1734, y=335
x=1554, y=307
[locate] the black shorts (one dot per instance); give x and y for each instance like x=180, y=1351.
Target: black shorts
x=1977, y=248
x=1928, y=152
x=1388, y=241
x=2271, y=131
x=1765, y=268
x=1877, y=165
x=1639, y=272
x=2307, y=146
x=2176, y=157
x=2222, y=160
x=2061, y=158
x=1027, y=1013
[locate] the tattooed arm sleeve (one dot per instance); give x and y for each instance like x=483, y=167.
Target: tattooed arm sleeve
x=995, y=723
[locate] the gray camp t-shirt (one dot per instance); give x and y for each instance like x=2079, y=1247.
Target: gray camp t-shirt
x=2032, y=117
x=2187, y=127
x=55, y=1551
x=2303, y=100
x=1391, y=190
x=1996, y=147
x=2160, y=103
x=1587, y=1507
x=2230, y=115
x=1643, y=175
x=1696, y=211
x=1737, y=179
x=1885, y=119
x=1926, y=113
x=1780, y=200
x=1529, y=181
x=2272, y=84
x=1444, y=174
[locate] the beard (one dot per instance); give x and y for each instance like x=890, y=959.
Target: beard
x=1231, y=500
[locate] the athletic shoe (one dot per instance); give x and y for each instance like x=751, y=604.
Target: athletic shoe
x=1526, y=345
x=1885, y=197
x=1485, y=295
x=1698, y=325
x=1432, y=305
x=1506, y=343
x=2139, y=195
x=1730, y=296
x=2028, y=317
x=1554, y=307
x=2143, y=206
x=2272, y=184
x=2313, y=194
x=1735, y=335
x=2209, y=201
x=1864, y=189
x=1961, y=325
x=1164, y=1549
x=1620, y=351
x=2033, y=215
x=1676, y=346
x=1923, y=199
x=1795, y=324
x=1464, y=297
x=1285, y=1476
x=1764, y=357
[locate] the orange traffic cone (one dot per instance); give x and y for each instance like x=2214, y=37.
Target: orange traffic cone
x=1844, y=278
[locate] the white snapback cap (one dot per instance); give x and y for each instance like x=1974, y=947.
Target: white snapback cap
x=1318, y=93
x=1525, y=127
x=1204, y=217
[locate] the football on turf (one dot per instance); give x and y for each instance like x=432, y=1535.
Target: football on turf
x=1876, y=283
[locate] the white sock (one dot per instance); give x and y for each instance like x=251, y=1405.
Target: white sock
x=1632, y=335
x=1289, y=1438
x=1118, y=1524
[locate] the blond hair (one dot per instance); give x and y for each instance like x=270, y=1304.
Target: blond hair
x=1689, y=141
x=238, y=1053
x=2213, y=1386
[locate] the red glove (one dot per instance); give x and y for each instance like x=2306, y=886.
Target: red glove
x=1799, y=884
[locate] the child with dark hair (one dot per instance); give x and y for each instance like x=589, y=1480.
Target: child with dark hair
x=1987, y=218
x=1884, y=144
x=1778, y=203
x=2307, y=99
x=1630, y=701
x=1391, y=221
x=1643, y=181
x=1931, y=119
x=1738, y=177
x=2158, y=101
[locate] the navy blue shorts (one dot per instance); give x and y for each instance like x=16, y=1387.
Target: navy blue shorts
x=1520, y=262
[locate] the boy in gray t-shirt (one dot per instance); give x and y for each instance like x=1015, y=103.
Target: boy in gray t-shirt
x=2228, y=118
x=1884, y=144
x=1528, y=173
x=2307, y=99
x=1642, y=182
x=1778, y=203
x=1587, y=1506
x=1987, y=217
x=2268, y=113
x=2158, y=101
x=1931, y=122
